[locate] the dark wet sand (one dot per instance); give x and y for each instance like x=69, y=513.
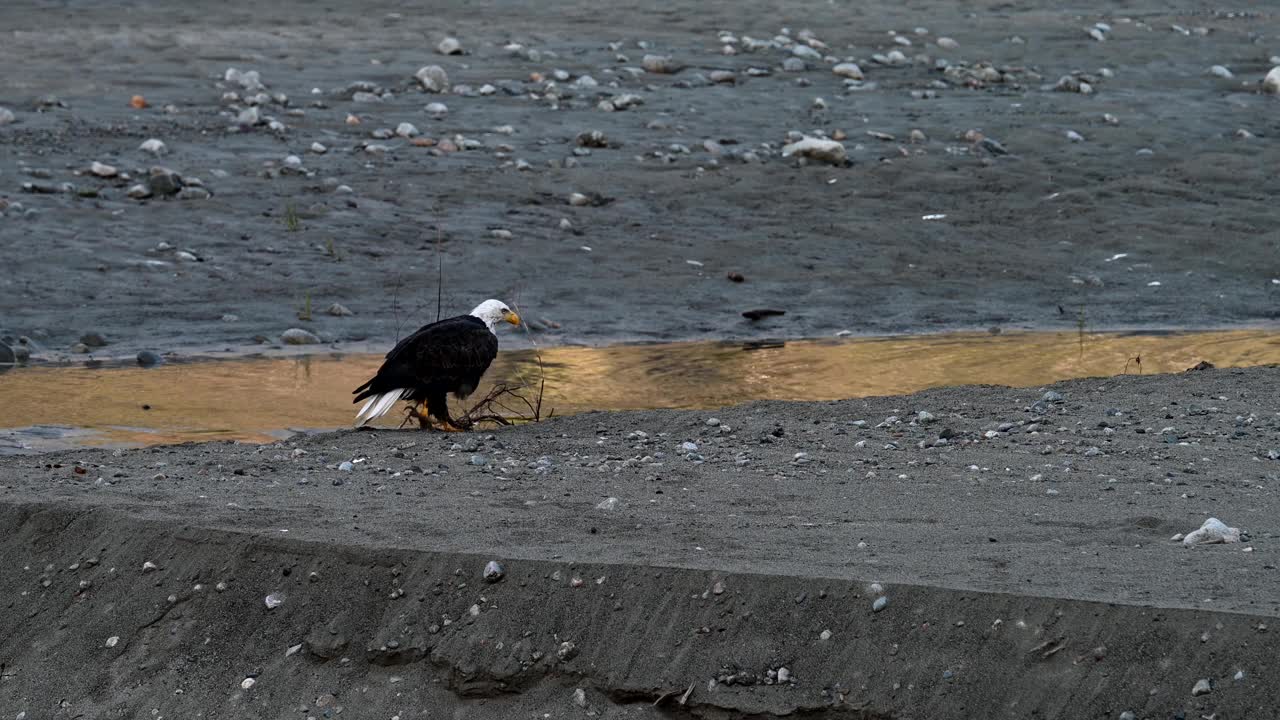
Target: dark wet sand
x=1025, y=574
x=1025, y=242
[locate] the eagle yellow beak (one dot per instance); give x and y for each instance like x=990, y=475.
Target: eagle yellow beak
x=511, y=317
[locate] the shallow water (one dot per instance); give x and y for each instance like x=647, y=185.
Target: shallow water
x=260, y=400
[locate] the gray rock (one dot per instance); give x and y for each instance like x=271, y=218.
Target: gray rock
x=94, y=339
x=7, y=355
x=449, y=46
x=1202, y=687
x=433, y=79
x=660, y=64
x=346, y=466
x=146, y=358
x=298, y=336
x=493, y=571
x=339, y=310
x=479, y=459
x=881, y=603
x=7, y=116
x=1052, y=396
x=163, y=181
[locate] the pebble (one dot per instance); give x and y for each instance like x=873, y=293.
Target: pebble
x=713, y=422
x=609, y=503
x=1074, y=136
x=436, y=109
x=102, y=170
x=881, y=603
x=339, y=310
x=825, y=635
x=346, y=466
x=579, y=200
x=318, y=148
x=449, y=46
x=7, y=116
x=493, y=571
x=273, y=601
x=7, y=355
x=1271, y=83
x=1202, y=687
x=247, y=683
x=433, y=78
x=567, y=651
x=298, y=336
x=479, y=460
x=660, y=64
x=113, y=641
x=407, y=130
x=687, y=446
x=146, y=358
x=848, y=70
x=1221, y=71
x=149, y=566
x=580, y=697
x=924, y=416
x=946, y=43
x=94, y=339
x=1052, y=396
x=821, y=149
x=163, y=181
x=1128, y=715
x=154, y=146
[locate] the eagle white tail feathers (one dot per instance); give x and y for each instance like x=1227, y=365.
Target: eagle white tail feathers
x=378, y=405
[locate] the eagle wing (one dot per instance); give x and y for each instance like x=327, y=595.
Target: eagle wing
x=453, y=353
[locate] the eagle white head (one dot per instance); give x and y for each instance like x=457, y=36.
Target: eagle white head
x=494, y=311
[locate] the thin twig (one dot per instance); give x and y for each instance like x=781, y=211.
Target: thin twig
x=439, y=272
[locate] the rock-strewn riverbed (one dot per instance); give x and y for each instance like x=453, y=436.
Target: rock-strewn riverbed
x=1021, y=540
x=608, y=167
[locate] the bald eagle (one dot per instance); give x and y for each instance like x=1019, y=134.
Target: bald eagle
x=444, y=357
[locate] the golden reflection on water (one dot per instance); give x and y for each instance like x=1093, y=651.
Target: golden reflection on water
x=260, y=400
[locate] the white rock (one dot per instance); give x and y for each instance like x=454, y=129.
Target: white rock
x=318, y=149
x=1202, y=687
x=407, y=130
x=7, y=116
x=947, y=43
x=298, y=336
x=804, y=52
x=660, y=64
x=247, y=683
x=273, y=601
x=487, y=89
x=1074, y=136
x=818, y=149
x=154, y=146
x=1221, y=71
x=1271, y=83
x=139, y=192
x=113, y=641
x=102, y=170
x=848, y=70
x=609, y=503
x=449, y=46
x=433, y=78
x=1212, y=531
x=437, y=109
x=579, y=200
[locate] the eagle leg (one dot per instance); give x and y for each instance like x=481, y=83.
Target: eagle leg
x=424, y=419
